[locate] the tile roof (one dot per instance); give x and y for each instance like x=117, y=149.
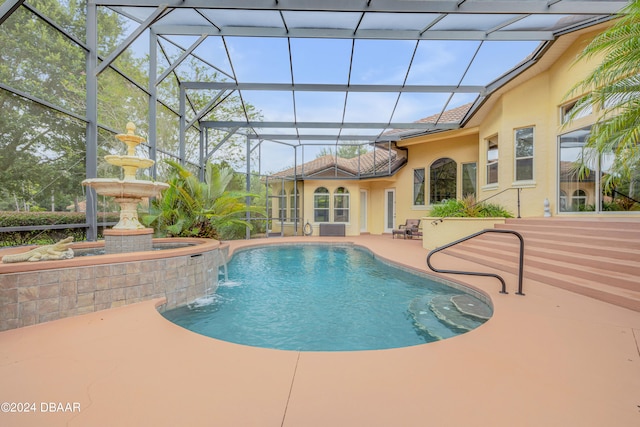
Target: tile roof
x=329, y=166
x=373, y=162
x=455, y=115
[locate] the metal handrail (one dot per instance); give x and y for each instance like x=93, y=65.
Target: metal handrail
x=470, y=273
x=436, y=221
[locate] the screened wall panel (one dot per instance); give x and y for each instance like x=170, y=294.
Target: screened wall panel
x=42, y=153
x=120, y=101
x=70, y=15
x=39, y=60
x=168, y=128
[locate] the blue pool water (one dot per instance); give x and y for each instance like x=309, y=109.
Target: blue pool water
x=322, y=298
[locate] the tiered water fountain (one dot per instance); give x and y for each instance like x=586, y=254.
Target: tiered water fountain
x=130, y=271
x=128, y=235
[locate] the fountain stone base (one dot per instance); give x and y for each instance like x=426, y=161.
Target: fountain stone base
x=122, y=241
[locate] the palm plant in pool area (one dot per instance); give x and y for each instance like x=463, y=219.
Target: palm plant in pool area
x=614, y=87
x=191, y=208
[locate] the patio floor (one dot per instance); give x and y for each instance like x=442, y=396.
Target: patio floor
x=550, y=358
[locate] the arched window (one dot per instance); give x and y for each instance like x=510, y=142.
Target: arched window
x=321, y=205
x=341, y=205
x=443, y=177
x=579, y=200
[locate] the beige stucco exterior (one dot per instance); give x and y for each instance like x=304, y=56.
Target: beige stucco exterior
x=534, y=99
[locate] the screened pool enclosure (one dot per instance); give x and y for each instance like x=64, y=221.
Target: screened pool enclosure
x=263, y=86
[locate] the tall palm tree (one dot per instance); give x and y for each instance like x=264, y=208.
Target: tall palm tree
x=191, y=208
x=614, y=87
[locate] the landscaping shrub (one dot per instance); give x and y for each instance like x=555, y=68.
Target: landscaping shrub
x=47, y=236
x=469, y=208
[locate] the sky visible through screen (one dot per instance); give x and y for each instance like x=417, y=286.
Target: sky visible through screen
x=343, y=62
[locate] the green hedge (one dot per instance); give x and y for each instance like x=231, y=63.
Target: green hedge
x=43, y=237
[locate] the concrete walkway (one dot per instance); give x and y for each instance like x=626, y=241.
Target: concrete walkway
x=550, y=358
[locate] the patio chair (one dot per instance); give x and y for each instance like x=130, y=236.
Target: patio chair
x=410, y=228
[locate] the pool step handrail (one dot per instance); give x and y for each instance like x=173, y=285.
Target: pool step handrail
x=471, y=273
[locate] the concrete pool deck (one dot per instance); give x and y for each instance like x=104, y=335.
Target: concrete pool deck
x=550, y=358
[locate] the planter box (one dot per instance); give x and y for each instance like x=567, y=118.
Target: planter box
x=452, y=229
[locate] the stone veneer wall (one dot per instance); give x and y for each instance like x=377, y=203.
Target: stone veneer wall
x=28, y=298
x=121, y=243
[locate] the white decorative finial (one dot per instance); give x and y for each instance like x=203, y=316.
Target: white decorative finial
x=547, y=210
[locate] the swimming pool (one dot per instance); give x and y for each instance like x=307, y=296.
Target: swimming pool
x=326, y=298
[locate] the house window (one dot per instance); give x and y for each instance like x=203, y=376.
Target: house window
x=418, y=187
x=571, y=184
x=563, y=201
x=469, y=173
x=282, y=206
x=294, y=205
x=524, y=154
x=579, y=201
x=492, y=160
x=568, y=112
x=442, y=182
x=321, y=205
x=341, y=205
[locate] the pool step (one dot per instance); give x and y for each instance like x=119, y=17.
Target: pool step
x=449, y=320
x=598, y=258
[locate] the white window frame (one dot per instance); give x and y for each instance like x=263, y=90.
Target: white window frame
x=516, y=159
x=475, y=178
x=424, y=187
x=489, y=142
x=346, y=201
x=579, y=198
x=316, y=196
x=565, y=111
x=294, y=205
x=282, y=205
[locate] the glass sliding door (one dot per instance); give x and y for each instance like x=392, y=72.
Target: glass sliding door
x=577, y=192
x=598, y=188
x=618, y=193
x=469, y=181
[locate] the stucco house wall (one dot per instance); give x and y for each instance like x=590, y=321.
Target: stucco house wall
x=460, y=146
x=534, y=99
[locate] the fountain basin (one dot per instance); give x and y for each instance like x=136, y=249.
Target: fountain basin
x=127, y=193
x=36, y=292
x=130, y=164
x=125, y=188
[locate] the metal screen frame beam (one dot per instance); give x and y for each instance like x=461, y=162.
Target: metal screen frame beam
x=91, y=167
x=191, y=30
x=329, y=125
x=391, y=6
x=129, y=40
x=8, y=7
x=320, y=87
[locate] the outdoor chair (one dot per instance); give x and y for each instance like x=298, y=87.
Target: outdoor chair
x=410, y=228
